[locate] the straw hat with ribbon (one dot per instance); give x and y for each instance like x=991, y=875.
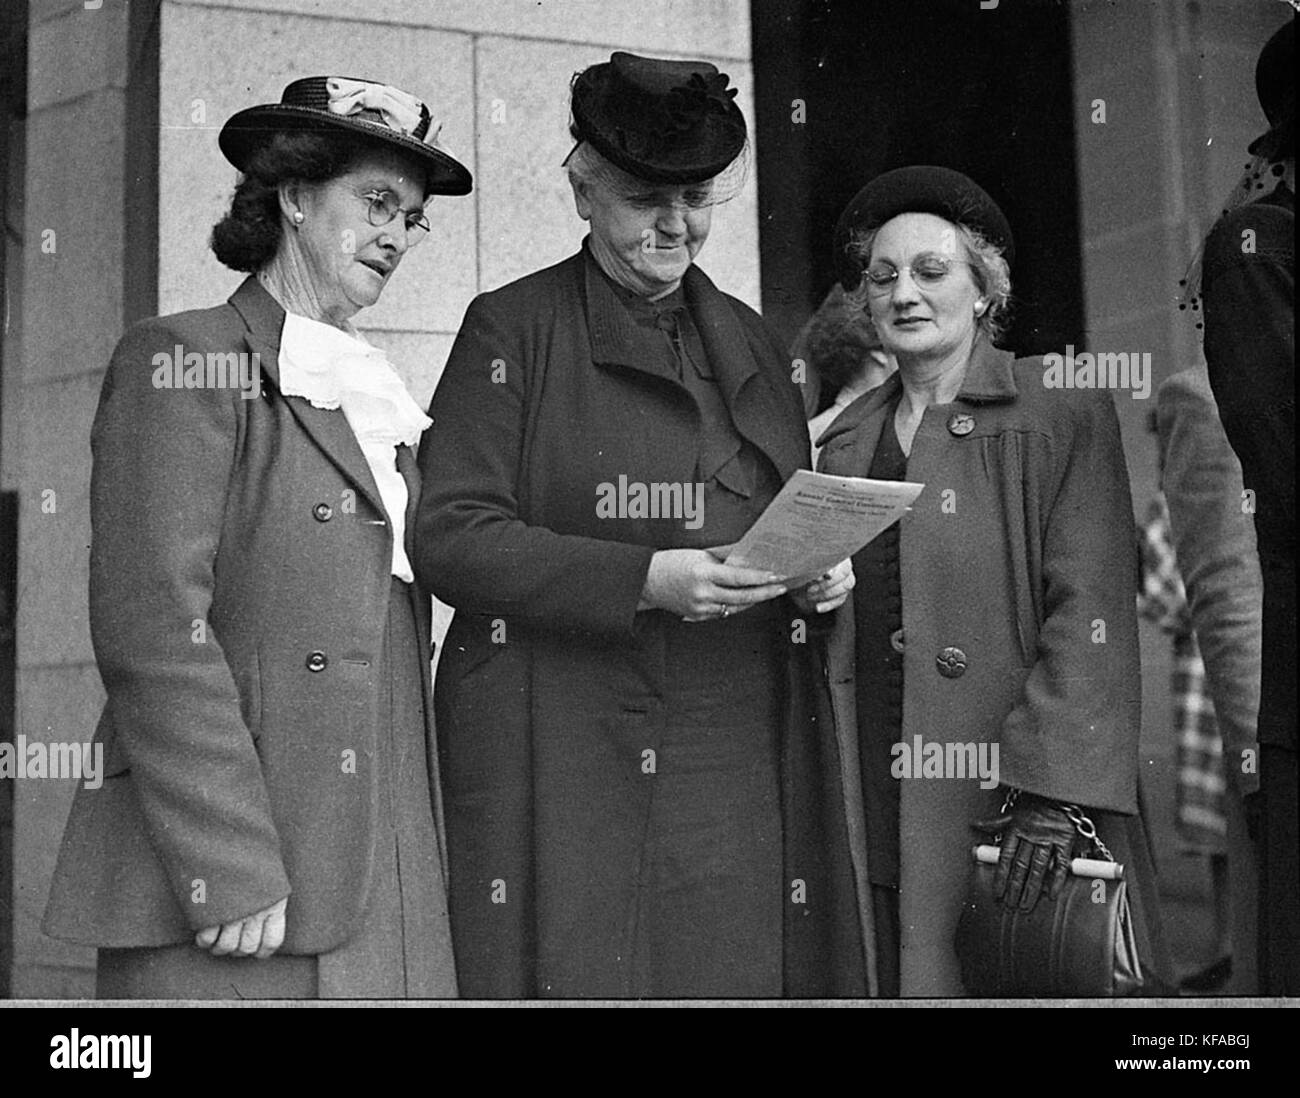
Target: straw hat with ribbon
x=385, y=114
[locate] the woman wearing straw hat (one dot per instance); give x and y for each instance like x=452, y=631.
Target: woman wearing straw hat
x=269, y=821
x=631, y=791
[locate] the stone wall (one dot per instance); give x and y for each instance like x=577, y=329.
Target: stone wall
x=495, y=73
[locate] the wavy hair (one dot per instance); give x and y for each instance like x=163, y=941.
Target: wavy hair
x=248, y=237
x=989, y=266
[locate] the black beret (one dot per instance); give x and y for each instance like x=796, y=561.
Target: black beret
x=920, y=188
x=1275, y=86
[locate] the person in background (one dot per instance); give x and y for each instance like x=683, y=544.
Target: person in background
x=843, y=357
x=269, y=824
x=1246, y=282
x=1212, y=539
x=1200, y=578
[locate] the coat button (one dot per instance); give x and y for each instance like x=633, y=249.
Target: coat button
x=896, y=640
x=317, y=662
x=960, y=423
x=322, y=512
x=951, y=663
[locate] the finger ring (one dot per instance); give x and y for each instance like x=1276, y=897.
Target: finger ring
x=725, y=610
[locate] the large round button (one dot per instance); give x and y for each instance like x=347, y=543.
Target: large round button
x=317, y=662
x=322, y=512
x=896, y=640
x=961, y=423
x=951, y=663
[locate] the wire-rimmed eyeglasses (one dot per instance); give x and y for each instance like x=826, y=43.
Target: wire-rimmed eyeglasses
x=385, y=205
x=927, y=271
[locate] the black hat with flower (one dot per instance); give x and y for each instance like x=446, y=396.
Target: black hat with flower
x=673, y=122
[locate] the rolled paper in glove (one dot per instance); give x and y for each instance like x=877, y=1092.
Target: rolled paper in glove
x=1080, y=867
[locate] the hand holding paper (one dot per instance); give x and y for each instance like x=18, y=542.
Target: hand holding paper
x=818, y=520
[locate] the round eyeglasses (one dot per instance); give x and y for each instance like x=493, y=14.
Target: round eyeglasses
x=927, y=272
x=385, y=205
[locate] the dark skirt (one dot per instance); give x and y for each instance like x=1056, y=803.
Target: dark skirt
x=403, y=947
x=710, y=900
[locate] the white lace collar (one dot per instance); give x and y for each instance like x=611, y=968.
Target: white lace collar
x=331, y=368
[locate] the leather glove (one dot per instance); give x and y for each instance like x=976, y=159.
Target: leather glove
x=1038, y=842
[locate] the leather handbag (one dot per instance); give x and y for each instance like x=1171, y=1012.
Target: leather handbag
x=1081, y=944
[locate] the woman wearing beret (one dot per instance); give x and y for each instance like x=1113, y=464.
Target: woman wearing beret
x=629, y=807
x=999, y=612
x=269, y=823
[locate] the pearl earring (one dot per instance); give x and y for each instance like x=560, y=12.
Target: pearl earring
x=297, y=217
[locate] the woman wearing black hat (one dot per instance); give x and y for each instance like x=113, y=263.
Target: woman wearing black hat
x=1246, y=278
x=268, y=825
x=612, y=698
x=995, y=623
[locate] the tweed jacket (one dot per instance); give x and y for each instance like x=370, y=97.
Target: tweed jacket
x=239, y=587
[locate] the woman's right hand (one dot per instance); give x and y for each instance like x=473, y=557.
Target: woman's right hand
x=258, y=935
x=696, y=586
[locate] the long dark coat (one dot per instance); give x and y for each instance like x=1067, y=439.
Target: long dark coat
x=1249, y=294
x=239, y=588
x=1019, y=552
x=550, y=684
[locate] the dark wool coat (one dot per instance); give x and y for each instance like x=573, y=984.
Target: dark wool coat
x=550, y=683
x=1018, y=552
x=1248, y=285
x=240, y=577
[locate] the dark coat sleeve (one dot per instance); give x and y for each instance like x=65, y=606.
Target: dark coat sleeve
x=162, y=461
x=1073, y=736
x=1214, y=538
x=474, y=549
x=1248, y=288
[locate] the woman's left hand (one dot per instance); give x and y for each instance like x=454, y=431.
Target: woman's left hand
x=259, y=935
x=828, y=593
x=1038, y=842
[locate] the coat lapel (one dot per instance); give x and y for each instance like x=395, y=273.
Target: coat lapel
x=990, y=379
x=990, y=376
x=615, y=337
x=328, y=429
x=747, y=389
x=755, y=407
x=864, y=419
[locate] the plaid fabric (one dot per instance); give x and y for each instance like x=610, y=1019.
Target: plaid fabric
x=1163, y=600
